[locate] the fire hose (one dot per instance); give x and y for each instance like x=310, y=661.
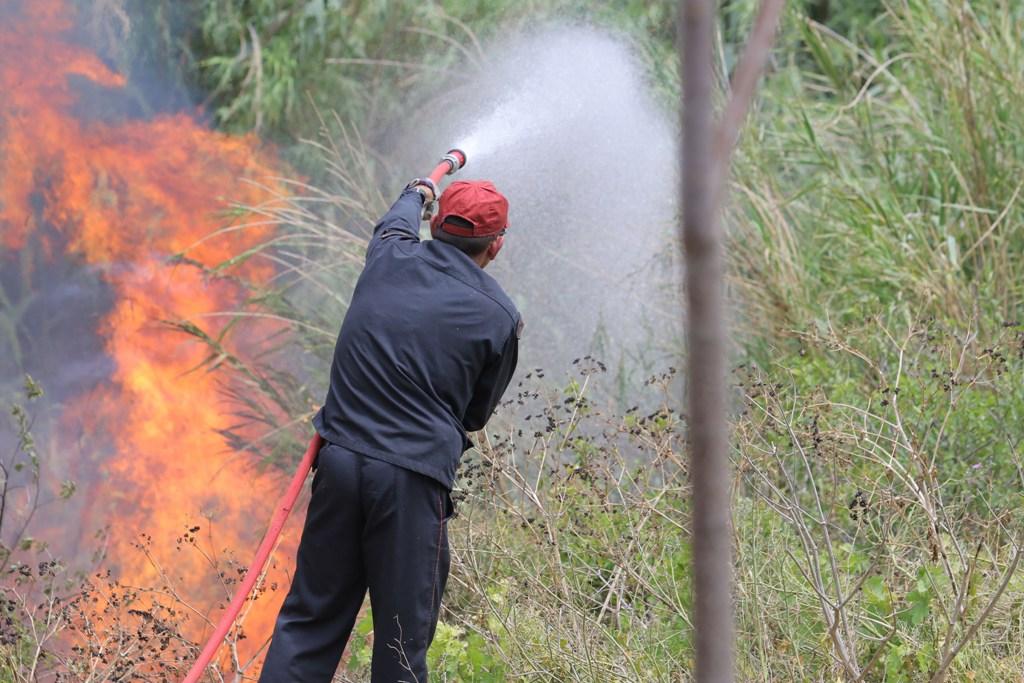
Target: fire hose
x=449, y=164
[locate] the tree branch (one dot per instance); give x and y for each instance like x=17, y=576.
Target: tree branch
x=743, y=88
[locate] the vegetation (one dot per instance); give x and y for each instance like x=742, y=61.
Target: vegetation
x=875, y=247
x=274, y=66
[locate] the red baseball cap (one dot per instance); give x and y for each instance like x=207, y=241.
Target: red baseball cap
x=478, y=203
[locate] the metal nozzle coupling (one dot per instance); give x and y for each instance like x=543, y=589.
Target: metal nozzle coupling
x=456, y=159
x=449, y=164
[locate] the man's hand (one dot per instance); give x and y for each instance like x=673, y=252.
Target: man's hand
x=425, y=186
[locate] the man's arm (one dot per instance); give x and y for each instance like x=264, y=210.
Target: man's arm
x=491, y=385
x=402, y=221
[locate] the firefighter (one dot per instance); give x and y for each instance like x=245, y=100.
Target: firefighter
x=426, y=350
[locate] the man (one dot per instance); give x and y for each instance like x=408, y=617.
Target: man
x=427, y=348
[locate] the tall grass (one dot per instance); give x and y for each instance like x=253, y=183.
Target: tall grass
x=887, y=181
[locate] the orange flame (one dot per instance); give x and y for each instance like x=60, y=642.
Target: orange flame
x=124, y=196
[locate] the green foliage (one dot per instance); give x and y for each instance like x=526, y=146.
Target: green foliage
x=273, y=65
x=894, y=496
x=456, y=655
x=360, y=648
x=573, y=562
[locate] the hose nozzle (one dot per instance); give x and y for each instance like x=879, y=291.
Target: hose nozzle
x=451, y=162
x=457, y=159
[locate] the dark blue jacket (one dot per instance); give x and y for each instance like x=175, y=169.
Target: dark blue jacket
x=426, y=350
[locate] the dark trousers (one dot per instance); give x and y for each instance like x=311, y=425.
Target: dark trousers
x=370, y=525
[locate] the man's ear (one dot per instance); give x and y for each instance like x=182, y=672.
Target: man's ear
x=494, y=247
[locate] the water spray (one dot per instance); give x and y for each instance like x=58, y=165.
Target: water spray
x=553, y=117
x=451, y=162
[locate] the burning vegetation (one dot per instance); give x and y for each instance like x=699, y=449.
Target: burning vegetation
x=132, y=206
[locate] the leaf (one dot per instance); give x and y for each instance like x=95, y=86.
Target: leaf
x=32, y=388
x=953, y=250
x=918, y=608
x=821, y=54
x=877, y=594
x=365, y=625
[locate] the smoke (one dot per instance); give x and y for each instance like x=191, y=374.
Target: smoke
x=51, y=310
x=562, y=120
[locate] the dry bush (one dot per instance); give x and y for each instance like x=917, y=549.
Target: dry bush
x=570, y=559
x=900, y=538
x=58, y=624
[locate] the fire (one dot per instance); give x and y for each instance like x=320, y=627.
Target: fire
x=124, y=196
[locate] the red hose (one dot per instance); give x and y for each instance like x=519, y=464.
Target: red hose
x=284, y=506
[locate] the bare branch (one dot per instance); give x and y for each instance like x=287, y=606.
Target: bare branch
x=947, y=660
x=743, y=87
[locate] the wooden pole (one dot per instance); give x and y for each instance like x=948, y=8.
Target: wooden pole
x=708, y=436
x=706, y=154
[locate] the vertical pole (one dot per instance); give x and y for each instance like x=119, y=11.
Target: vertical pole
x=708, y=436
